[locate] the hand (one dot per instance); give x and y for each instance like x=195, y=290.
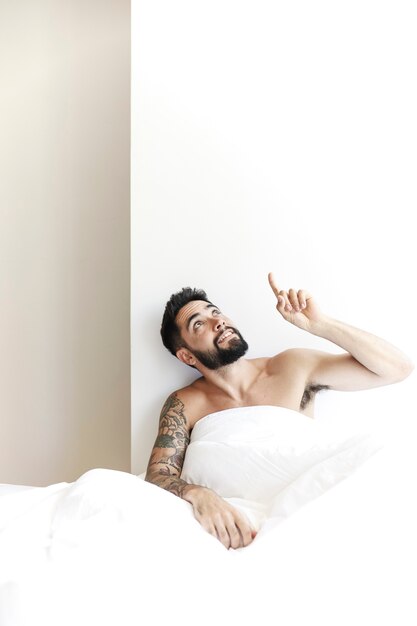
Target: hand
x=219, y=518
x=297, y=307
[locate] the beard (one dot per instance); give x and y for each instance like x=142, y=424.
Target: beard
x=219, y=357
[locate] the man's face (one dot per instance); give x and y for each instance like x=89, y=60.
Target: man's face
x=209, y=335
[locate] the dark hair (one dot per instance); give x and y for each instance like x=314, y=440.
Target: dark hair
x=170, y=332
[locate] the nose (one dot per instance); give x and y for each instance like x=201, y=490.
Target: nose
x=219, y=323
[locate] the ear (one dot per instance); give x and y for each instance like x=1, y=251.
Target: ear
x=186, y=357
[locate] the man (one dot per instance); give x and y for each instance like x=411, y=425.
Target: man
x=200, y=335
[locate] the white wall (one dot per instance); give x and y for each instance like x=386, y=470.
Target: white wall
x=273, y=136
x=64, y=239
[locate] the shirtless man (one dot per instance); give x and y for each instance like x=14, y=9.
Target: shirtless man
x=200, y=335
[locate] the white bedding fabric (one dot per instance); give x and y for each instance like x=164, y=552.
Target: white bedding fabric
x=113, y=549
x=6, y=489
x=268, y=461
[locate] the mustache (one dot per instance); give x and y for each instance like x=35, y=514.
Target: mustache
x=224, y=330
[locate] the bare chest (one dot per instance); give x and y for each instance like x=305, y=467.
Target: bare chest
x=274, y=390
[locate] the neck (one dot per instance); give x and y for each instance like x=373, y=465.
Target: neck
x=234, y=380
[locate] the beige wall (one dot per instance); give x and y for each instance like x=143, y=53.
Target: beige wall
x=64, y=239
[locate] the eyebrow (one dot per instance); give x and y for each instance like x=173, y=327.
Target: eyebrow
x=194, y=315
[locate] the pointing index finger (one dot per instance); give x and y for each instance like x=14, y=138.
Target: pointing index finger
x=273, y=284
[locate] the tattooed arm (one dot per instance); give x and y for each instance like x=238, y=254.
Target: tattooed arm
x=167, y=457
x=164, y=469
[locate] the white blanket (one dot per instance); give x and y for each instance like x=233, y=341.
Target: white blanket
x=268, y=461
x=113, y=549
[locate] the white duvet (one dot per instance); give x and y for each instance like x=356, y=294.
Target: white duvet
x=268, y=461
x=336, y=543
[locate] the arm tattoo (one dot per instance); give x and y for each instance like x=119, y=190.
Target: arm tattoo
x=167, y=457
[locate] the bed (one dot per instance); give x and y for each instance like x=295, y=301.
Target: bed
x=336, y=520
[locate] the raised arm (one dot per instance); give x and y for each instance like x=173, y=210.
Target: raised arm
x=164, y=469
x=369, y=361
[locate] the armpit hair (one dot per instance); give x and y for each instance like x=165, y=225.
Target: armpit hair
x=309, y=392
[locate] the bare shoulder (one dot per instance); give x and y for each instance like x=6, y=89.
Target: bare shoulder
x=294, y=357
x=303, y=361
x=297, y=366
x=186, y=404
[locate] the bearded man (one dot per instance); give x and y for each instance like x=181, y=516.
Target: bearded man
x=200, y=335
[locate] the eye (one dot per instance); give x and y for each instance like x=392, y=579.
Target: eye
x=197, y=324
x=216, y=312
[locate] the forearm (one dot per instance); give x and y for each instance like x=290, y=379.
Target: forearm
x=376, y=354
x=173, y=484
x=217, y=516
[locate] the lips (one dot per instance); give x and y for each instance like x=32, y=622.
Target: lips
x=225, y=334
